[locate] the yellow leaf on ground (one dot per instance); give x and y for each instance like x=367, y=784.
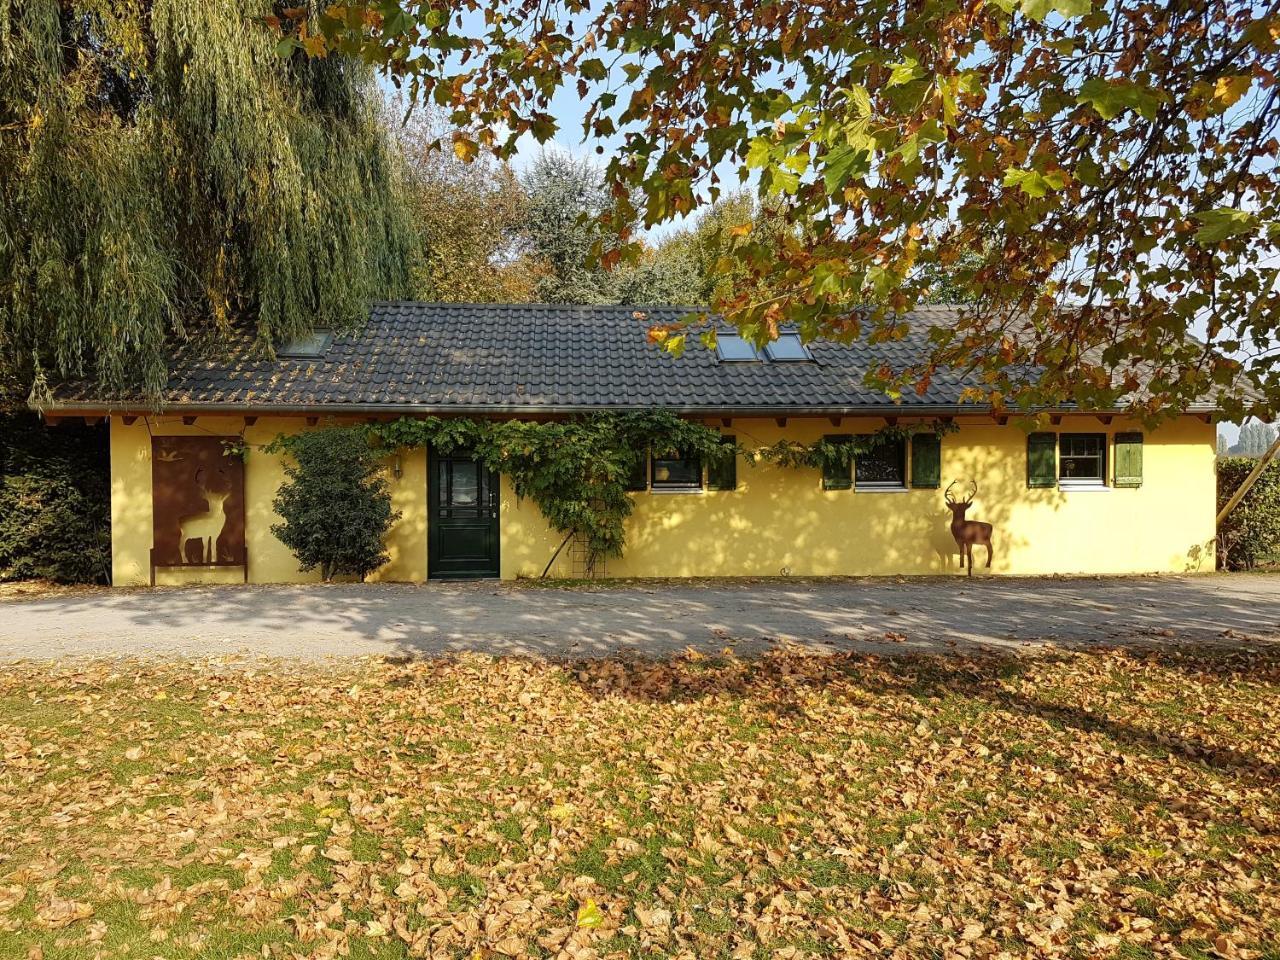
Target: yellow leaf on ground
x=590, y=915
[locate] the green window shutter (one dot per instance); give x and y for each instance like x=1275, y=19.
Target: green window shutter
x=723, y=474
x=926, y=460
x=1042, y=460
x=638, y=479
x=1128, y=459
x=837, y=476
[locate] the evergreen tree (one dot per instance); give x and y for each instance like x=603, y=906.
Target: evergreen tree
x=1251, y=442
x=168, y=173
x=1255, y=439
x=334, y=506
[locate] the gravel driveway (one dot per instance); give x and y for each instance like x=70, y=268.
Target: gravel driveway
x=889, y=616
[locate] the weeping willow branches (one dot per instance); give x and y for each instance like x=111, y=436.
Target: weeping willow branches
x=169, y=175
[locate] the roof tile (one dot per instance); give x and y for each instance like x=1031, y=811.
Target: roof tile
x=434, y=356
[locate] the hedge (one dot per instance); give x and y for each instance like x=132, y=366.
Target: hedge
x=55, y=501
x=1250, y=535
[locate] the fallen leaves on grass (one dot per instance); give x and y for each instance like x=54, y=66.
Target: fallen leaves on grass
x=1109, y=803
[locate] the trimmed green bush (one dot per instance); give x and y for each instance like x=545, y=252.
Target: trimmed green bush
x=334, y=503
x=1250, y=535
x=55, y=501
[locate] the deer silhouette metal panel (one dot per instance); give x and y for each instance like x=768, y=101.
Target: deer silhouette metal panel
x=198, y=503
x=968, y=533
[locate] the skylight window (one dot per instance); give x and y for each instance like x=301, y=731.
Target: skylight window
x=788, y=346
x=309, y=347
x=731, y=347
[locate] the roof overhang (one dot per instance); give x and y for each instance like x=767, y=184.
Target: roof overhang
x=99, y=409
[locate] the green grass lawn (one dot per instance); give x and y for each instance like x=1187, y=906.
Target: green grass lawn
x=1073, y=805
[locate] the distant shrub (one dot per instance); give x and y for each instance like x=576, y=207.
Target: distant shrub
x=55, y=501
x=1250, y=535
x=334, y=504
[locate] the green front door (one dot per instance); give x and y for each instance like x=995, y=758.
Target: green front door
x=462, y=529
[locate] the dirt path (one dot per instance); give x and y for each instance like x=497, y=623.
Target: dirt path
x=891, y=616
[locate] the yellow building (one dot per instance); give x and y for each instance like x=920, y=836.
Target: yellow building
x=1089, y=494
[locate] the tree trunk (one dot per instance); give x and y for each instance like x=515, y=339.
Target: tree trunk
x=547, y=568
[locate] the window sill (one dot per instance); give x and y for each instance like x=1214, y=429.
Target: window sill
x=882, y=489
x=666, y=491
x=1083, y=487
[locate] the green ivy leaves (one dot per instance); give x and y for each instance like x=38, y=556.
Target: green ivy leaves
x=575, y=470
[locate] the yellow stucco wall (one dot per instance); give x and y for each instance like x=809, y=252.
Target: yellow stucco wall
x=778, y=520
x=270, y=561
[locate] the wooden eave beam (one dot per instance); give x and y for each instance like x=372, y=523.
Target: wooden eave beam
x=188, y=420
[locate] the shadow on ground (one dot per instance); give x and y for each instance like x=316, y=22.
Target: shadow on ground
x=997, y=680
x=885, y=615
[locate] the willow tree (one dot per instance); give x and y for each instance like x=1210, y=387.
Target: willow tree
x=169, y=174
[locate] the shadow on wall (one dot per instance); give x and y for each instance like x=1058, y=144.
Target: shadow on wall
x=1201, y=556
x=780, y=522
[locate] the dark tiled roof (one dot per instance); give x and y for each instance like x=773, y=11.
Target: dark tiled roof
x=531, y=357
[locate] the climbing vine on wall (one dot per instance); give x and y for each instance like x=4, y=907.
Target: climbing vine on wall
x=840, y=453
x=576, y=470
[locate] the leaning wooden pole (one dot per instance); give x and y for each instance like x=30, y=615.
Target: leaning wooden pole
x=1249, y=481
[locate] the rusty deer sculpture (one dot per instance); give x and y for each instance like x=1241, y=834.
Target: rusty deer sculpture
x=967, y=532
x=205, y=526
